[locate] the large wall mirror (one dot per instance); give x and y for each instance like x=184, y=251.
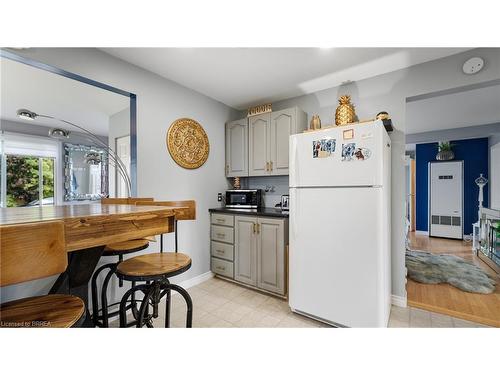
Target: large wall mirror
x=65, y=139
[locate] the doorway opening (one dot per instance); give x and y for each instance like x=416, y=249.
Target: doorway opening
x=451, y=142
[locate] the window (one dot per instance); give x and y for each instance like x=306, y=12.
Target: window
x=28, y=171
x=30, y=181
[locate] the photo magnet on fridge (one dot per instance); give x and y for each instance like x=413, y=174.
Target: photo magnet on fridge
x=324, y=148
x=348, y=150
x=362, y=153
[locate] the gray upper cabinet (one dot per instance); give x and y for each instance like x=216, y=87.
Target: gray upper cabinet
x=259, y=144
x=245, y=249
x=271, y=255
x=283, y=124
x=269, y=136
x=237, y=148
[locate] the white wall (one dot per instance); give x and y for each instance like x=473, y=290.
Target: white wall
x=495, y=176
x=389, y=92
x=159, y=103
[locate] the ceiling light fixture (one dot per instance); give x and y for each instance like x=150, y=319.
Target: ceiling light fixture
x=58, y=133
x=26, y=114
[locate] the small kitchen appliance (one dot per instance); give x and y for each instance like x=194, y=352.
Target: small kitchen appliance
x=250, y=198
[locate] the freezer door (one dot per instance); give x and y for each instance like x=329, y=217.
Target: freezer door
x=341, y=156
x=339, y=257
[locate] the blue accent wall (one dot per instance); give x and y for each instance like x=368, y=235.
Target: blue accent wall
x=474, y=153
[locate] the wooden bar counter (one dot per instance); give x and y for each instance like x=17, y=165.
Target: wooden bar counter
x=88, y=229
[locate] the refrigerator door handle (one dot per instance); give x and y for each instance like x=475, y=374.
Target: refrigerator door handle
x=293, y=204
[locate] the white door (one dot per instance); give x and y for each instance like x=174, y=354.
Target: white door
x=316, y=158
x=338, y=261
x=495, y=176
x=123, y=152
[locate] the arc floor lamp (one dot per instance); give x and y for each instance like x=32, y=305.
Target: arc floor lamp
x=56, y=133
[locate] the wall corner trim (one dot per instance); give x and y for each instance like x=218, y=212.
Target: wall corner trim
x=399, y=301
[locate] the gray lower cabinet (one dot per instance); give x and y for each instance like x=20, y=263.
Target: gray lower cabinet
x=271, y=255
x=245, y=249
x=250, y=250
x=222, y=244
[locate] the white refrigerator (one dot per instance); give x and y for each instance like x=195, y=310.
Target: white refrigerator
x=340, y=253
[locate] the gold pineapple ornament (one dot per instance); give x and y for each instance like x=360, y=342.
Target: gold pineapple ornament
x=345, y=113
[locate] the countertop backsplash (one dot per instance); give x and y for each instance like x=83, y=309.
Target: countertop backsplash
x=278, y=185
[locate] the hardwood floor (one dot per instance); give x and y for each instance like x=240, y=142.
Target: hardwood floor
x=446, y=299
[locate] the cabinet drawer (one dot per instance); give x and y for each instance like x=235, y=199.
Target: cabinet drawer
x=222, y=250
x=223, y=234
x=219, y=219
x=222, y=267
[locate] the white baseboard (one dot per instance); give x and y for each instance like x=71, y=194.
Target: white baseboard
x=398, y=301
x=186, y=284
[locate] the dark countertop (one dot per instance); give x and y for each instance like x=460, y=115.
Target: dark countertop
x=264, y=211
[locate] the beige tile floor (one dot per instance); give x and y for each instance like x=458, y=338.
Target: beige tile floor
x=221, y=304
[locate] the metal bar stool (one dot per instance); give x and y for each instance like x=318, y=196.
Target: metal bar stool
x=186, y=210
x=100, y=316
x=117, y=249
x=34, y=252
x=155, y=269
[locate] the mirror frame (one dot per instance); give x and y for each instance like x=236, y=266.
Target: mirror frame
x=133, y=103
x=69, y=194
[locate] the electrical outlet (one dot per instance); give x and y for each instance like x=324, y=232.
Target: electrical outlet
x=219, y=197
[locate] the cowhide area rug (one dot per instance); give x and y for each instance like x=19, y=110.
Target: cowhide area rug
x=429, y=268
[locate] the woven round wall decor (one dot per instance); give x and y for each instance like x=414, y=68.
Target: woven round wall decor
x=188, y=143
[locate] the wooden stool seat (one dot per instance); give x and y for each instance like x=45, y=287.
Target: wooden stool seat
x=151, y=266
x=51, y=311
x=125, y=247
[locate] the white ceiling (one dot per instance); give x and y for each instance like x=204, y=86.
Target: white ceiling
x=23, y=86
x=240, y=77
x=468, y=108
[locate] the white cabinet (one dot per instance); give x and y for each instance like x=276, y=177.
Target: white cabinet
x=268, y=142
x=237, y=148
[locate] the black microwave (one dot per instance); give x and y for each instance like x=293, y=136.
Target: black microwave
x=244, y=198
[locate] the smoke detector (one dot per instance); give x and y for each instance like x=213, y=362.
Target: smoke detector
x=473, y=65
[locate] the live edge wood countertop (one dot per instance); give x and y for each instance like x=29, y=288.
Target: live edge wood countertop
x=92, y=225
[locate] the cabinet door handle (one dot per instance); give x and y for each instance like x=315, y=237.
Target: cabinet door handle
x=220, y=235
x=220, y=220
x=227, y=169
x=219, y=251
x=267, y=166
x=271, y=165
x=254, y=230
x=258, y=228
x=220, y=268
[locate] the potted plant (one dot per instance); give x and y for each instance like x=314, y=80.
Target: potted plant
x=445, y=151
